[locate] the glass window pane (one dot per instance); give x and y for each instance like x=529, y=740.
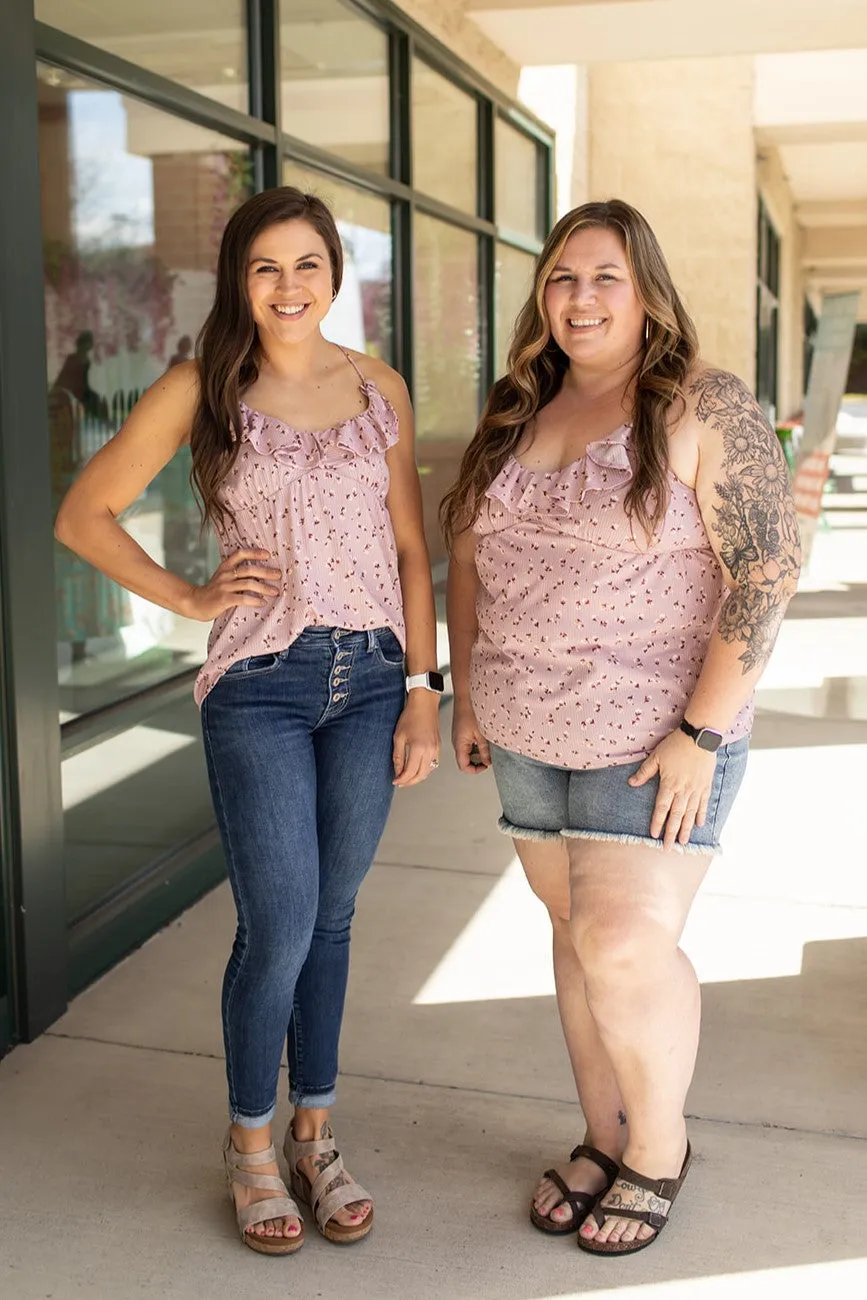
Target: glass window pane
x=133, y=206
x=447, y=361
x=200, y=43
x=514, y=280
x=130, y=800
x=517, y=172
x=444, y=138
x=335, y=89
x=361, y=315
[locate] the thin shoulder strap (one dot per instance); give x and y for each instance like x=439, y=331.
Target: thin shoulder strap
x=355, y=367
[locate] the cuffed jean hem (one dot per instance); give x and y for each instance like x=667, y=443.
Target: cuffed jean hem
x=251, y=1121
x=313, y=1100
x=703, y=850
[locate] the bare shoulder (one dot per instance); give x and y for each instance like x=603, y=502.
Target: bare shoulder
x=177, y=391
x=386, y=378
x=720, y=400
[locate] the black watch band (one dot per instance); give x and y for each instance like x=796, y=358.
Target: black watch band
x=704, y=737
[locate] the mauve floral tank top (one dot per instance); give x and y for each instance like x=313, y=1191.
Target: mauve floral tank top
x=316, y=502
x=590, y=642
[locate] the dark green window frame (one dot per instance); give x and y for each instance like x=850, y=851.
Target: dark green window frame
x=51, y=960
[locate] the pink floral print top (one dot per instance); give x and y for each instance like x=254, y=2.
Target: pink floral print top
x=590, y=642
x=316, y=502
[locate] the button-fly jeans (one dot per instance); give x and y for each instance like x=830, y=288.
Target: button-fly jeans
x=299, y=752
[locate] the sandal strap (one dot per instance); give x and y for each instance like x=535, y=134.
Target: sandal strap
x=609, y=1167
x=579, y=1201
x=316, y=1147
x=336, y=1200
x=276, y=1207
x=665, y=1191
x=653, y=1218
x=234, y=1157
x=666, y=1188
x=262, y=1182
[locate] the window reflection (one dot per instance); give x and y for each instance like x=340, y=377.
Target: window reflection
x=335, y=87
x=130, y=800
x=447, y=361
x=200, y=43
x=361, y=315
x=517, y=176
x=513, y=282
x=133, y=206
x=444, y=140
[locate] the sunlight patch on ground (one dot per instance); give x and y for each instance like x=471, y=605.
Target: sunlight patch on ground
x=504, y=951
x=792, y=874
x=844, y=1277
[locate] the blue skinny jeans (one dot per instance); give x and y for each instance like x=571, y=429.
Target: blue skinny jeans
x=299, y=753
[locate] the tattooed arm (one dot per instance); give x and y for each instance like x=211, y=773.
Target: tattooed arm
x=746, y=504
x=742, y=486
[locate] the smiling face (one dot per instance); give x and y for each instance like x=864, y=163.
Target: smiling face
x=594, y=310
x=289, y=281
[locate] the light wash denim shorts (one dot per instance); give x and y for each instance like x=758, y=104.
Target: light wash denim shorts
x=542, y=802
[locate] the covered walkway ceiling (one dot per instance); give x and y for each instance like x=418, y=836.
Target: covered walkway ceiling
x=810, y=97
x=593, y=31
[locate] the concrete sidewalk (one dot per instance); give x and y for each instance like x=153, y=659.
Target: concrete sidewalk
x=455, y=1090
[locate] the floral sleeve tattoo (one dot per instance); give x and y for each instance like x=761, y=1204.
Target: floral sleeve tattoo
x=756, y=524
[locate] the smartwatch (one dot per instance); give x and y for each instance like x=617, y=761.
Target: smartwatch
x=429, y=681
x=704, y=737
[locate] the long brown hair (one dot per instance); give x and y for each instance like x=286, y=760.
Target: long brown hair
x=536, y=366
x=228, y=345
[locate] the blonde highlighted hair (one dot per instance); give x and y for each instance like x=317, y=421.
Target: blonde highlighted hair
x=536, y=366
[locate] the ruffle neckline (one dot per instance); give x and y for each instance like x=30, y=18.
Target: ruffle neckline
x=369, y=433
x=604, y=467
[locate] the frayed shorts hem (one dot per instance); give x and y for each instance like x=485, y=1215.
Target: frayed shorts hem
x=530, y=833
x=251, y=1121
x=313, y=1100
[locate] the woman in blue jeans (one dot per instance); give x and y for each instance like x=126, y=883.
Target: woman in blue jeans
x=304, y=461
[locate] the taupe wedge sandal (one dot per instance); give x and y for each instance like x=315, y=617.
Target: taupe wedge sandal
x=323, y=1203
x=240, y=1167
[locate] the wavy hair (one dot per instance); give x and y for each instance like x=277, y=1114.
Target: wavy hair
x=228, y=344
x=536, y=366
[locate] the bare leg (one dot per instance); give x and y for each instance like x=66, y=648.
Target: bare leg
x=248, y=1140
x=308, y=1125
x=547, y=867
x=629, y=907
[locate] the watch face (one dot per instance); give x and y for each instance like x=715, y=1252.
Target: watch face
x=437, y=682
x=709, y=740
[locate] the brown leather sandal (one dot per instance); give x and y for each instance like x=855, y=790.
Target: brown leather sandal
x=325, y=1203
x=580, y=1203
x=663, y=1192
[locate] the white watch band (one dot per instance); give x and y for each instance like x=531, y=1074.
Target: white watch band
x=417, y=680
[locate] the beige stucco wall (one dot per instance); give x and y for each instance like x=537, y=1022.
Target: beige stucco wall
x=777, y=195
x=448, y=22
x=675, y=138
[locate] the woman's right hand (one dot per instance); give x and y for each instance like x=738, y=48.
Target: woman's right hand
x=467, y=736
x=242, y=579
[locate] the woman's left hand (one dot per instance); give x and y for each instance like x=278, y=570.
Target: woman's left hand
x=685, y=781
x=417, y=738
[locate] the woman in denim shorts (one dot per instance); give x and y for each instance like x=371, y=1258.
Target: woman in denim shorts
x=624, y=545
x=303, y=455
